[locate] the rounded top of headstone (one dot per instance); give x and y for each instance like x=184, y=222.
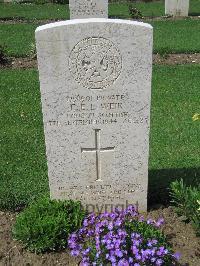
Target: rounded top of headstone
x=92, y=20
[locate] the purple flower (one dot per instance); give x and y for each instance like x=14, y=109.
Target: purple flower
x=118, y=222
x=123, y=262
x=90, y=233
x=138, y=257
x=137, y=235
x=75, y=253
x=160, y=252
x=141, y=219
x=113, y=216
x=107, y=256
x=136, y=242
x=153, y=259
x=177, y=255
x=86, y=251
x=72, y=244
x=73, y=236
x=84, y=264
x=104, y=215
x=119, y=253
x=110, y=226
x=112, y=258
x=159, y=262
x=130, y=260
x=121, y=233
x=149, y=221
x=98, y=254
x=106, y=237
x=154, y=241
x=85, y=222
x=146, y=253
x=159, y=222
x=133, y=235
x=135, y=250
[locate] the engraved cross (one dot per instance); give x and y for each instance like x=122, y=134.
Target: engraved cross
x=97, y=150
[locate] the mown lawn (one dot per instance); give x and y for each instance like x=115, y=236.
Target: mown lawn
x=174, y=142
x=33, y=11
x=178, y=36
x=169, y=37
x=174, y=148
x=17, y=39
x=55, y=11
x=22, y=162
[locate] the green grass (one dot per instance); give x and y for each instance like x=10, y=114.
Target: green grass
x=175, y=99
x=169, y=37
x=153, y=9
x=174, y=149
x=23, y=170
x=179, y=36
x=32, y=11
x=54, y=11
x=17, y=38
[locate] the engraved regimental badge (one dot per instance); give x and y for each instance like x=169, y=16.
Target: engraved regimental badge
x=95, y=63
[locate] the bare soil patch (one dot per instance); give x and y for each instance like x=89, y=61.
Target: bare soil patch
x=181, y=235
x=166, y=18
x=176, y=59
x=20, y=63
x=17, y=20
x=12, y=253
x=169, y=59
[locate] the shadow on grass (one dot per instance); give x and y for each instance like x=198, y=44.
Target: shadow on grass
x=159, y=182
x=193, y=14
x=118, y=17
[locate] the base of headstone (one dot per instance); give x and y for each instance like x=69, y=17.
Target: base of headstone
x=177, y=8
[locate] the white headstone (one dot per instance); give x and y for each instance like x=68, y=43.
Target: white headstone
x=95, y=80
x=178, y=8
x=88, y=9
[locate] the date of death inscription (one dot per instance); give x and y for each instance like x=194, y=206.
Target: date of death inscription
x=97, y=110
x=101, y=191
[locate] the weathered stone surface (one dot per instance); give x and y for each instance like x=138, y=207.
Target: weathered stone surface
x=177, y=8
x=88, y=9
x=95, y=78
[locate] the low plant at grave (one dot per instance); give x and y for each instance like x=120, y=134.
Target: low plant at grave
x=33, y=52
x=121, y=238
x=46, y=224
x=186, y=200
x=134, y=12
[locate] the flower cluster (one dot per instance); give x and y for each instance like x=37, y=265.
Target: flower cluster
x=121, y=238
x=196, y=117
